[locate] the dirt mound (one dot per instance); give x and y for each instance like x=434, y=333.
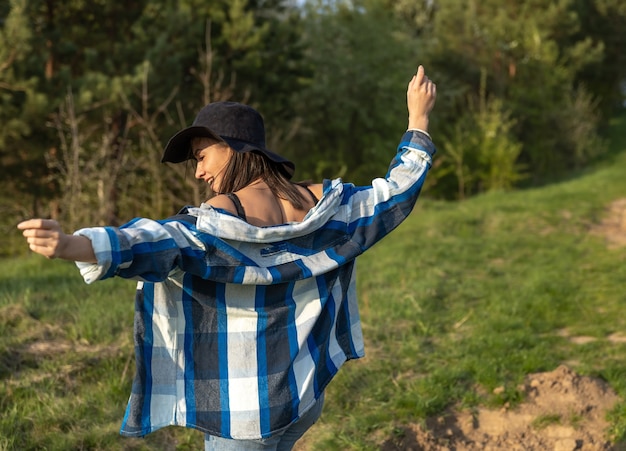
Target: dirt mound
x=562, y=411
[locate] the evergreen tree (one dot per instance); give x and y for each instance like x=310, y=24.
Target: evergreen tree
x=351, y=103
x=532, y=54
x=118, y=79
x=22, y=165
x=604, y=22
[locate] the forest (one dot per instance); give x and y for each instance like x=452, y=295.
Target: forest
x=90, y=92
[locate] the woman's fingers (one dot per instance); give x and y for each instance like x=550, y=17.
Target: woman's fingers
x=38, y=224
x=421, y=95
x=421, y=82
x=42, y=235
x=419, y=76
x=432, y=88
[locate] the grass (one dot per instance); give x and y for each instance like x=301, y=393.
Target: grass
x=467, y=297
x=66, y=361
x=543, y=421
x=462, y=299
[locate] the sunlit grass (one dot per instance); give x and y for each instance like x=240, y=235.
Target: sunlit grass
x=461, y=299
x=66, y=361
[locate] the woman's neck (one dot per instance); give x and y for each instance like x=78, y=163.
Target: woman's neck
x=257, y=184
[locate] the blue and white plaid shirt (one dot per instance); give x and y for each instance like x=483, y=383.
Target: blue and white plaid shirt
x=238, y=329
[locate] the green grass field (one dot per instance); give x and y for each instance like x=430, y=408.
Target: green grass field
x=461, y=299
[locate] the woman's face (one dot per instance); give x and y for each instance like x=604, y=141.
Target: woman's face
x=212, y=158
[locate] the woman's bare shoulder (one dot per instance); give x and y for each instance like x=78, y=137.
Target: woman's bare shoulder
x=223, y=202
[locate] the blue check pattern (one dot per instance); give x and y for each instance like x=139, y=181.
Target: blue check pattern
x=238, y=329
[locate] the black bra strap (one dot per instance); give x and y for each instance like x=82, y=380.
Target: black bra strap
x=241, y=212
x=315, y=199
x=235, y=200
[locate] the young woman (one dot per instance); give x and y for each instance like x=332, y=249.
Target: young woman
x=246, y=306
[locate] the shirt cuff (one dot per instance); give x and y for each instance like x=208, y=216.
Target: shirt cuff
x=419, y=130
x=101, y=244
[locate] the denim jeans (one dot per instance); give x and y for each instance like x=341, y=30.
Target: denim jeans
x=283, y=441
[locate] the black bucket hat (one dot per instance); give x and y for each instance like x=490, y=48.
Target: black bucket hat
x=239, y=125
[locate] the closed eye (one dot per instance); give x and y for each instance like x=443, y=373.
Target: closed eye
x=198, y=154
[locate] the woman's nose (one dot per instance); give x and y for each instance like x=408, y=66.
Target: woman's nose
x=199, y=171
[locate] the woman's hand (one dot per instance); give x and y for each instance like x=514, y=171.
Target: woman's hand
x=45, y=237
x=420, y=95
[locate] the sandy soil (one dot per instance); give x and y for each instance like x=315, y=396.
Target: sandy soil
x=563, y=411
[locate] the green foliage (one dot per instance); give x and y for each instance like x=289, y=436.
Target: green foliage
x=604, y=21
x=90, y=92
x=417, y=13
x=111, y=82
x=482, y=152
x=20, y=108
x=352, y=104
x=533, y=56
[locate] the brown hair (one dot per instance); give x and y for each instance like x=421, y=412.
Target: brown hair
x=244, y=168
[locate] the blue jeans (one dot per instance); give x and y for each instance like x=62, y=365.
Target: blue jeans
x=282, y=441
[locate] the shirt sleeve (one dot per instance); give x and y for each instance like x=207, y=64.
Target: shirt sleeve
x=143, y=249
x=150, y=250
x=378, y=209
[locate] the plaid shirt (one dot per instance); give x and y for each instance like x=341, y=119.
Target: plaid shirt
x=238, y=329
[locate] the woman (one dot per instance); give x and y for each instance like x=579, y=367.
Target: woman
x=246, y=306
x=232, y=158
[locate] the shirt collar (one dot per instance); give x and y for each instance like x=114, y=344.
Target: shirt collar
x=225, y=226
